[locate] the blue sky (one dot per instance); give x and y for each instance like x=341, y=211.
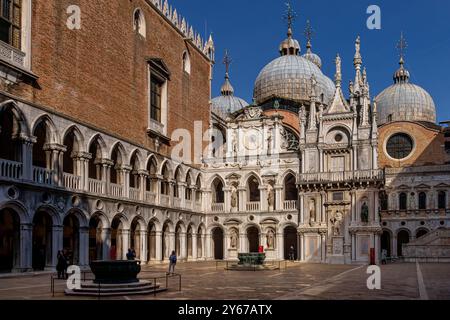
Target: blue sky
x=252, y=29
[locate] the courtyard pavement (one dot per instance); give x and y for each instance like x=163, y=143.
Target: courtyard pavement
x=206, y=280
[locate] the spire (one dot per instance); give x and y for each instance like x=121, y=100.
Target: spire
x=312, y=124
x=309, y=33
x=402, y=75
x=338, y=76
x=289, y=46
x=227, y=88
x=357, y=62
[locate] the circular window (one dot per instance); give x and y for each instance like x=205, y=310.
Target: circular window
x=422, y=223
x=385, y=223
x=442, y=223
x=399, y=146
x=403, y=223
x=338, y=137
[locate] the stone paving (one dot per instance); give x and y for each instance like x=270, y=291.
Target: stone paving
x=206, y=280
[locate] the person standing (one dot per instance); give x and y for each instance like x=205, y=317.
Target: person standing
x=172, y=262
x=292, y=253
x=61, y=265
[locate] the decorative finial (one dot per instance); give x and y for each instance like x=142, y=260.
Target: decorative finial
x=358, y=59
x=402, y=45
x=289, y=17
x=338, y=77
x=227, y=62
x=309, y=33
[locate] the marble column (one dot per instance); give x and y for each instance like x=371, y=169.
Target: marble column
x=27, y=157
x=208, y=247
x=280, y=246
x=278, y=198
x=57, y=245
x=158, y=245
x=125, y=234
x=183, y=249
x=83, y=251
x=194, y=246
x=24, y=256
x=106, y=243
x=143, y=236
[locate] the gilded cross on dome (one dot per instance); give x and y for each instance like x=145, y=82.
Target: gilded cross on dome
x=309, y=32
x=227, y=61
x=290, y=16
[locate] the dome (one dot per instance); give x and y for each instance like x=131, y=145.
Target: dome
x=223, y=105
x=289, y=77
x=227, y=103
x=314, y=58
x=404, y=101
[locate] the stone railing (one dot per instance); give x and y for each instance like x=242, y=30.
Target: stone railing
x=134, y=194
x=198, y=206
x=96, y=186
x=164, y=200
x=42, y=176
x=344, y=176
x=290, y=205
x=150, y=197
x=10, y=169
x=71, y=181
x=116, y=190
x=177, y=202
x=253, y=206
x=218, y=207
x=11, y=55
x=188, y=204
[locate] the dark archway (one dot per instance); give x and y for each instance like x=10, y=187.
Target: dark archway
x=95, y=239
x=71, y=239
x=42, y=240
x=189, y=243
x=253, y=239
x=9, y=239
x=217, y=237
x=117, y=251
x=386, y=242
x=402, y=238
x=290, y=239
x=9, y=134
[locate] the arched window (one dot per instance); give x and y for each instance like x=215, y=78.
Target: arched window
x=165, y=180
x=442, y=200
x=186, y=62
x=403, y=199
x=176, y=191
x=188, y=190
x=41, y=132
x=134, y=175
x=253, y=191
x=422, y=201
x=117, y=159
x=94, y=163
x=9, y=132
x=151, y=168
x=218, y=193
x=198, y=190
x=290, y=189
x=139, y=24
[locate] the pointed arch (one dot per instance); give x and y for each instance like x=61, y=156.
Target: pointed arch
x=52, y=135
x=118, y=148
x=152, y=164
x=20, y=122
x=73, y=129
x=99, y=142
x=136, y=155
x=245, y=178
x=166, y=169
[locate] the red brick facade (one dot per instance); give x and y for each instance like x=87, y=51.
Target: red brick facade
x=99, y=74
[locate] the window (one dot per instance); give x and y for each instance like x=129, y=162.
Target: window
x=10, y=22
x=384, y=200
x=186, y=62
x=338, y=196
x=253, y=190
x=422, y=201
x=442, y=199
x=337, y=164
x=155, y=98
x=399, y=146
x=218, y=195
x=402, y=201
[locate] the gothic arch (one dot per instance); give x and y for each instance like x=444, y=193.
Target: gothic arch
x=81, y=215
x=51, y=131
x=18, y=116
x=156, y=223
x=140, y=220
x=245, y=179
x=78, y=136
x=282, y=178
x=152, y=160
x=100, y=215
x=182, y=226
x=19, y=208
x=138, y=154
x=126, y=223
x=121, y=152
x=52, y=211
x=98, y=139
x=213, y=178
x=166, y=164
x=170, y=224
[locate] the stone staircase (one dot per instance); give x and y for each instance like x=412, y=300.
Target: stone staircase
x=91, y=289
x=432, y=247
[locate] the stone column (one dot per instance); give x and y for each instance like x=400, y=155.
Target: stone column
x=182, y=194
x=280, y=245
x=264, y=205
x=143, y=176
x=353, y=236
x=125, y=234
x=183, y=249
x=353, y=205
x=57, y=245
x=194, y=245
x=227, y=197
x=243, y=243
x=171, y=242
x=143, y=236
x=278, y=198
x=208, y=247
x=394, y=246
x=302, y=209
x=106, y=243
x=171, y=196
x=323, y=199
x=126, y=181
x=158, y=245
x=377, y=248
x=83, y=251
x=301, y=247
x=376, y=207
x=203, y=240
x=242, y=199
x=24, y=256
x=27, y=157
x=323, y=246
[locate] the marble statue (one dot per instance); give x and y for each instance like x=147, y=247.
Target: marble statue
x=233, y=239
x=270, y=239
x=336, y=223
x=312, y=211
x=270, y=196
x=365, y=213
x=234, y=197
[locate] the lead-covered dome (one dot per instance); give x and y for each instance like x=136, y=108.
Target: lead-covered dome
x=289, y=76
x=227, y=103
x=405, y=101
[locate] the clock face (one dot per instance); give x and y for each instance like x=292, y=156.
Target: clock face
x=252, y=139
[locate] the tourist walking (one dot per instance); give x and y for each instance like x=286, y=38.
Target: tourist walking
x=384, y=256
x=131, y=255
x=292, y=253
x=172, y=262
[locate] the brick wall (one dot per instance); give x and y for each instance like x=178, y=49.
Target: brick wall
x=99, y=75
